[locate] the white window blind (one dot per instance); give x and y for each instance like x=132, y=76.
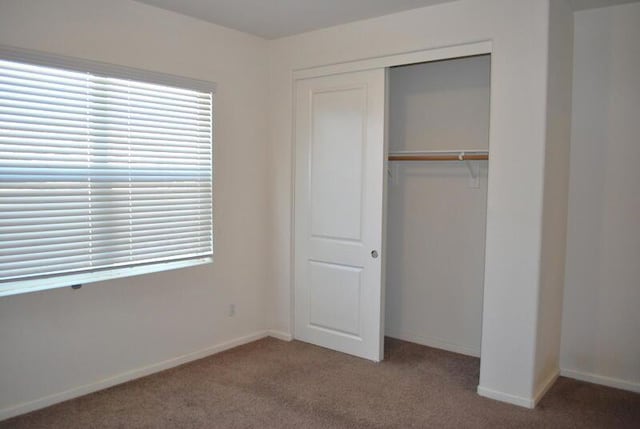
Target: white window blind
x=99, y=173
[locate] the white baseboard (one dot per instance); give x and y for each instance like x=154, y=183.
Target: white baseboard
x=280, y=335
x=521, y=400
x=130, y=375
x=601, y=379
x=545, y=386
x=505, y=397
x=437, y=343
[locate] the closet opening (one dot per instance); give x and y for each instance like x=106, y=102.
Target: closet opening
x=438, y=142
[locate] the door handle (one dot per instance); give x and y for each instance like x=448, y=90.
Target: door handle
x=374, y=254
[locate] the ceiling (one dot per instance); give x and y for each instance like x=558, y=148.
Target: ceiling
x=277, y=18
x=592, y=4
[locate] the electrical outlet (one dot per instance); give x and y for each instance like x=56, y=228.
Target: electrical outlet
x=232, y=310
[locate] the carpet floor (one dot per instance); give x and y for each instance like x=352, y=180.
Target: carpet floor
x=276, y=384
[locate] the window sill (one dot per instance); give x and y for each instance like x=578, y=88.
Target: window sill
x=33, y=285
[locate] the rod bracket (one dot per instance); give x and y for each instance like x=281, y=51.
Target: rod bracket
x=474, y=172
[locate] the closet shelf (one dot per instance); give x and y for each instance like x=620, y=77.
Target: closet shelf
x=440, y=155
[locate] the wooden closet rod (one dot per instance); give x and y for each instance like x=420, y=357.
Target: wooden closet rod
x=437, y=158
x=440, y=156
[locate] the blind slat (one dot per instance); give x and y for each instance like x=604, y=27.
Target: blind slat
x=105, y=123
x=122, y=244
x=107, y=259
x=97, y=144
x=23, y=245
x=100, y=95
x=111, y=117
x=95, y=106
x=80, y=80
x=56, y=106
x=88, y=132
x=50, y=229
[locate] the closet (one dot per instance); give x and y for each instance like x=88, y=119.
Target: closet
x=438, y=134
x=390, y=192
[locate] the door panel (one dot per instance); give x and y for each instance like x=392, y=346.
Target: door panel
x=339, y=187
x=328, y=281
x=339, y=119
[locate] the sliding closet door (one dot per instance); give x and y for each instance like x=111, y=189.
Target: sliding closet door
x=339, y=186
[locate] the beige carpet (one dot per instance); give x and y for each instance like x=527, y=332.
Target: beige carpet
x=275, y=384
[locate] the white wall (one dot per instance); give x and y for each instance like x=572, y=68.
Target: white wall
x=601, y=317
x=518, y=31
x=556, y=184
x=62, y=339
x=435, y=218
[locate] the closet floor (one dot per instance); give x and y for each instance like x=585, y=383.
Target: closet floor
x=275, y=384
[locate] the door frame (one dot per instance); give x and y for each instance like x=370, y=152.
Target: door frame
x=483, y=47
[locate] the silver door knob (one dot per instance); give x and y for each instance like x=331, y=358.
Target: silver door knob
x=374, y=254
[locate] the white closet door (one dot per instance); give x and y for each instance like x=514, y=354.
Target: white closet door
x=339, y=190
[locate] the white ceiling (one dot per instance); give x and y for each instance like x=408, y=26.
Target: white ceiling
x=592, y=4
x=277, y=18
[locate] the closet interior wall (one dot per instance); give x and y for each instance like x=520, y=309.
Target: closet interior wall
x=436, y=218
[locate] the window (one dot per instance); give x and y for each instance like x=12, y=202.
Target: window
x=101, y=175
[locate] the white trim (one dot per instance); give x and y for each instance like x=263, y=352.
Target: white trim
x=292, y=211
x=100, y=68
x=519, y=400
x=421, y=56
x=280, y=335
x=58, y=281
x=631, y=386
x=545, y=386
x=74, y=392
x=505, y=397
x=437, y=343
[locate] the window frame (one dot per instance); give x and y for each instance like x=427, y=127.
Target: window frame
x=20, y=286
